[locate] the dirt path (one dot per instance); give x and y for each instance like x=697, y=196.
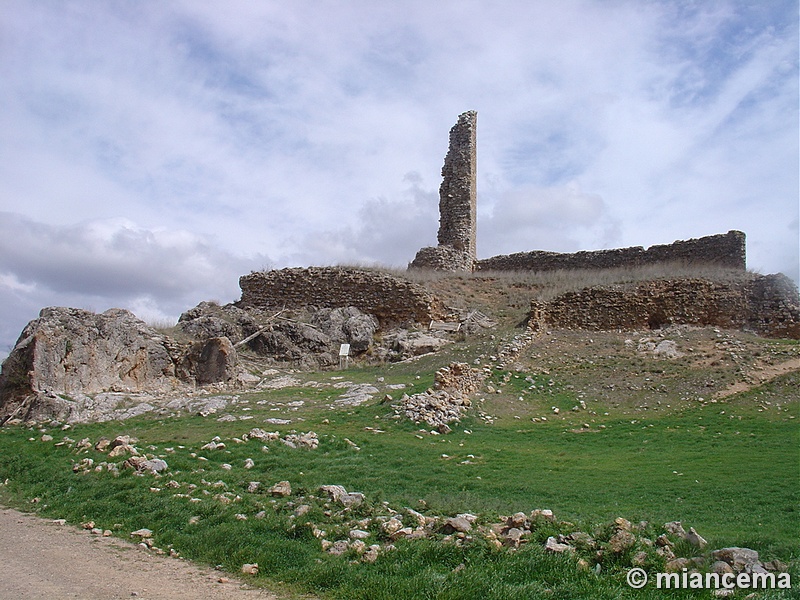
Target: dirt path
x=43, y=560
x=763, y=375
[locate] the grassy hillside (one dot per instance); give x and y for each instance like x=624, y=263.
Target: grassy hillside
x=592, y=426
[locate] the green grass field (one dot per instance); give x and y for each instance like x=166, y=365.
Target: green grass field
x=731, y=469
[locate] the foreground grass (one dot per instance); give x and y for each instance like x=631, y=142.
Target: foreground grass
x=732, y=472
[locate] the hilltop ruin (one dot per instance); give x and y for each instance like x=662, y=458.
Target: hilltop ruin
x=70, y=363
x=457, y=237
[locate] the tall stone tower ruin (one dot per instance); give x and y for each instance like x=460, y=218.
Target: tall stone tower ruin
x=458, y=201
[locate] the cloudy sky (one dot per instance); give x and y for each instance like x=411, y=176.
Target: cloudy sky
x=153, y=151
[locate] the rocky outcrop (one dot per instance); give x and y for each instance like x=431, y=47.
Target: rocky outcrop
x=210, y=361
x=70, y=350
x=68, y=355
x=308, y=337
x=347, y=325
x=767, y=305
x=210, y=320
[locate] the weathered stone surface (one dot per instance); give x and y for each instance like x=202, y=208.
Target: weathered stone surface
x=281, y=489
x=442, y=258
x=457, y=235
x=621, y=541
x=443, y=403
x=457, y=524
x=459, y=378
x=553, y=545
x=297, y=343
x=695, y=538
x=721, y=567
x=340, y=495
x=458, y=191
x=69, y=350
x=144, y=465
x=740, y=559
x=347, y=325
x=213, y=360
x=677, y=564
x=392, y=300
x=73, y=365
x=768, y=305
x=724, y=250
x=404, y=344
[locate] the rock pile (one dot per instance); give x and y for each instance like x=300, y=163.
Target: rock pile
x=347, y=523
x=443, y=403
x=121, y=446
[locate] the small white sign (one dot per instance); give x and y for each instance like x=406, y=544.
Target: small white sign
x=344, y=350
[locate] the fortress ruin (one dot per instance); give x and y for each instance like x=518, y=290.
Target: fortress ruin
x=765, y=304
x=458, y=203
x=457, y=235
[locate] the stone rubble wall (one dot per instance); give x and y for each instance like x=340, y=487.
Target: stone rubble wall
x=444, y=402
x=459, y=378
x=768, y=305
x=724, y=250
x=392, y=300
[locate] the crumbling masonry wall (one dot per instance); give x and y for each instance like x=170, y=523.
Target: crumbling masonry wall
x=392, y=300
x=767, y=305
x=458, y=192
x=458, y=202
x=724, y=250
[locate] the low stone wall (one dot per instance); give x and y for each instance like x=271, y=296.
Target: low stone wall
x=768, y=305
x=390, y=299
x=724, y=250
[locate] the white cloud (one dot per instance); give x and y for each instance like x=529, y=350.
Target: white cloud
x=111, y=263
x=284, y=130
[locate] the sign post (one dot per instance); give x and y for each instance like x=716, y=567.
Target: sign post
x=344, y=355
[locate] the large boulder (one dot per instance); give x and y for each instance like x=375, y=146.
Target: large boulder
x=211, y=361
x=347, y=326
x=210, y=320
x=69, y=350
x=72, y=364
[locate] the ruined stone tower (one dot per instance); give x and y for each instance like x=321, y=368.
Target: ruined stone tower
x=457, y=194
x=457, y=203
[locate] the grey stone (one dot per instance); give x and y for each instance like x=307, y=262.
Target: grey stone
x=347, y=325
x=212, y=361
x=67, y=351
x=621, y=541
x=741, y=559
x=457, y=524
x=721, y=567
x=553, y=545
x=281, y=489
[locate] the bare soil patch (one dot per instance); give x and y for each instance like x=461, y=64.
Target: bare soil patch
x=44, y=560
